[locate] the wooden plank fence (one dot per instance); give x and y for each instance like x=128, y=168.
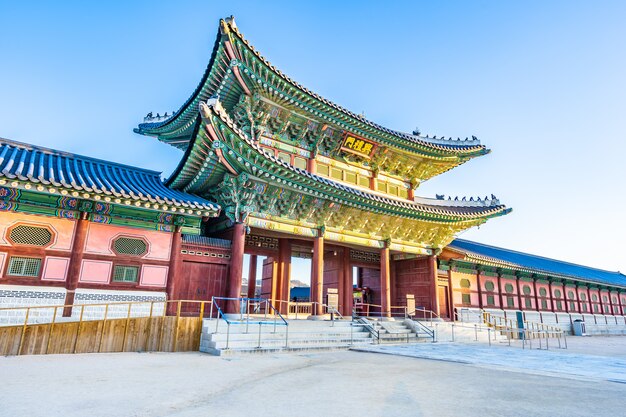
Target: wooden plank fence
x=162, y=333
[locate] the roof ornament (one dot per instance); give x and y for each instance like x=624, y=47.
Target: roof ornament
x=150, y=117
x=417, y=132
x=440, y=196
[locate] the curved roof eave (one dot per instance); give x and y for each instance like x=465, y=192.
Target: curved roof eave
x=471, y=148
x=461, y=212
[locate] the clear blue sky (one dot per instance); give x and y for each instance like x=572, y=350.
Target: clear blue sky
x=543, y=84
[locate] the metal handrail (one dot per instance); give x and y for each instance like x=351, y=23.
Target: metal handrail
x=430, y=332
x=311, y=304
x=247, y=321
x=362, y=321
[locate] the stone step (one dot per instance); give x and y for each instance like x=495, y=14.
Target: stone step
x=281, y=336
x=252, y=344
x=269, y=350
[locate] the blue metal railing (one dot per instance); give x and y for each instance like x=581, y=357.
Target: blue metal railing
x=262, y=307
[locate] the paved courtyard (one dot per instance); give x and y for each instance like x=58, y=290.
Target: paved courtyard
x=314, y=384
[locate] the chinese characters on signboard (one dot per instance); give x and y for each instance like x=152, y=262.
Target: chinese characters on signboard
x=357, y=145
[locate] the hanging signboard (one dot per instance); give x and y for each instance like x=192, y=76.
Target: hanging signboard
x=358, y=145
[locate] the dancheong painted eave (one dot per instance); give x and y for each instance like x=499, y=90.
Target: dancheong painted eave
x=216, y=119
x=509, y=259
x=51, y=171
x=231, y=49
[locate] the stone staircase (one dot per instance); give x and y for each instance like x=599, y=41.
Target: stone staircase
x=305, y=335
x=300, y=335
x=398, y=331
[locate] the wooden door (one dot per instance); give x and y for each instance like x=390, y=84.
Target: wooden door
x=443, y=301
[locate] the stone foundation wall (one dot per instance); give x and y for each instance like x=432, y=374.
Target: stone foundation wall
x=13, y=297
x=594, y=324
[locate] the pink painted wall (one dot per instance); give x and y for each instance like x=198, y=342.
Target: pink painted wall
x=570, y=294
x=101, y=236
x=97, y=272
x=486, y=293
x=457, y=292
x=606, y=303
x=63, y=228
x=55, y=268
x=530, y=296
x=556, y=289
x=513, y=293
x=548, y=306
x=595, y=303
x=153, y=275
x=585, y=305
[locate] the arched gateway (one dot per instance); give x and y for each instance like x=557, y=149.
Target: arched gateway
x=295, y=173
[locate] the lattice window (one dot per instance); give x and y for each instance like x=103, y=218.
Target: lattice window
x=508, y=288
x=24, y=267
x=544, y=304
x=358, y=255
x=491, y=300
x=489, y=286
x=528, y=302
x=125, y=273
x=466, y=299
x=465, y=283
x=543, y=292
x=526, y=290
x=130, y=246
x=30, y=235
x=510, y=302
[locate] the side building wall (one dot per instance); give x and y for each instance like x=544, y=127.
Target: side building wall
x=540, y=300
x=117, y=264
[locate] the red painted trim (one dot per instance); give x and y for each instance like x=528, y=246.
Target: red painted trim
x=241, y=82
x=385, y=296
x=175, y=264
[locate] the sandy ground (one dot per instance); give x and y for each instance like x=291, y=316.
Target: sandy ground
x=316, y=384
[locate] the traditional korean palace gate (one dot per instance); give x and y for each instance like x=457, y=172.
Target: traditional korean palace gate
x=269, y=169
x=297, y=174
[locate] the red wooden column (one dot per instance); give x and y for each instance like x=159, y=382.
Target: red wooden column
x=236, y=266
x=611, y=303
x=434, y=286
x=580, y=307
x=550, y=294
x=500, y=290
x=311, y=165
x=619, y=301
x=174, y=271
x=589, y=300
x=76, y=260
x=252, y=276
x=347, y=283
x=385, y=278
x=535, y=294
x=317, y=275
x=480, y=289
x=284, y=274
x=519, y=293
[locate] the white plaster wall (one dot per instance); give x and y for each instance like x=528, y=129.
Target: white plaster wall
x=14, y=296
